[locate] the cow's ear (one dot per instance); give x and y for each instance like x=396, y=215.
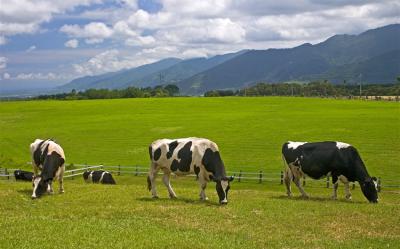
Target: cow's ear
x=231, y=178
x=374, y=179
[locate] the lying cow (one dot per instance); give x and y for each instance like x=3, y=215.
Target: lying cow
x=23, y=175
x=98, y=176
x=340, y=160
x=48, y=158
x=187, y=156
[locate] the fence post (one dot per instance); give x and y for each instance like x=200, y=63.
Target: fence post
x=378, y=184
x=304, y=180
x=240, y=176
x=281, y=177
x=354, y=186
x=260, y=177
x=119, y=169
x=6, y=173
x=327, y=181
x=72, y=173
x=136, y=170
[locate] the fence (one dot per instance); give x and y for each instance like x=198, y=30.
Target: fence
x=270, y=176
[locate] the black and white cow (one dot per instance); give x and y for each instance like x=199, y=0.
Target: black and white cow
x=98, y=176
x=187, y=156
x=48, y=158
x=340, y=160
x=23, y=175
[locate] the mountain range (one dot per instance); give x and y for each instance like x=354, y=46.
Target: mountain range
x=370, y=57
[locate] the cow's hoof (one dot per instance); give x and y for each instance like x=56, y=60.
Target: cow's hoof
x=155, y=197
x=289, y=195
x=333, y=197
x=305, y=197
x=173, y=197
x=204, y=199
x=61, y=192
x=348, y=198
x=33, y=197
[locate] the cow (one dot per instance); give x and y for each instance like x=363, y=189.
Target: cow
x=47, y=157
x=23, y=175
x=98, y=176
x=340, y=160
x=187, y=156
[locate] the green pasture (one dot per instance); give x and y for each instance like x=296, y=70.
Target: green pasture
x=257, y=216
x=249, y=132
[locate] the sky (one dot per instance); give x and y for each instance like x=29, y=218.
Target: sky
x=45, y=43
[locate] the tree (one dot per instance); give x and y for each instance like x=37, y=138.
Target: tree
x=172, y=89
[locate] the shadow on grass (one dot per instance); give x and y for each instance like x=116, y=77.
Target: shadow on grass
x=315, y=199
x=179, y=199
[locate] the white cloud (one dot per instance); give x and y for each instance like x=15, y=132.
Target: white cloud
x=95, y=32
x=31, y=48
x=108, y=61
x=71, y=43
x=3, y=40
x=38, y=76
x=26, y=16
x=6, y=76
x=3, y=62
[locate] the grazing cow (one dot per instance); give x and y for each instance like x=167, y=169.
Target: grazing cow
x=48, y=158
x=187, y=156
x=98, y=176
x=23, y=175
x=340, y=160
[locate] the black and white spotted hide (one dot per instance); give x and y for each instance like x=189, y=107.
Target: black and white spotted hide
x=21, y=175
x=185, y=156
x=337, y=159
x=48, y=160
x=98, y=176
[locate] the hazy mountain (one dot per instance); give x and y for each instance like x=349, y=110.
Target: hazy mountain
x=168, y=71
x=182, y=70
x=341, y=57
x=121, y=78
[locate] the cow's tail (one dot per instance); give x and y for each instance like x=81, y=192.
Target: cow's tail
x=286, y=169
x=148, y=183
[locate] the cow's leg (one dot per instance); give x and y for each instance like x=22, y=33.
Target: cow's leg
x=297, y=181
x=60, y=179
x=151, y=180
x=203, y=185
x=287, y=178
x=50, y=187
x=297, y=175
x=346, y=186
x=335, y=182
x=167, y=183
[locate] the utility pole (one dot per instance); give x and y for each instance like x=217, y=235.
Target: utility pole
x=360, y=84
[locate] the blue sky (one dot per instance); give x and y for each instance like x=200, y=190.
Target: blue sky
x=50, y=42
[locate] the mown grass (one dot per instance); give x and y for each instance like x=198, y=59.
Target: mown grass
x=257, y=216
x=249, y=131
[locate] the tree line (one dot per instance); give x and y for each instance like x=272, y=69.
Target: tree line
x=312, y=89
x=130, y=92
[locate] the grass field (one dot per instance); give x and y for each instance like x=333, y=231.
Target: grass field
x=258, y=216
x=249, y=132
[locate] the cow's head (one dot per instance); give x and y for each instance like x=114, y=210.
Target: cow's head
x=223, y=187
x=86, y=175
x=368, y=187
x=40, y=186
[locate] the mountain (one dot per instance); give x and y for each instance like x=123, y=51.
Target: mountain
x=370, y=57
x=341, y=57
x=119, y=79
x=167, y=71
x=182, y=70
